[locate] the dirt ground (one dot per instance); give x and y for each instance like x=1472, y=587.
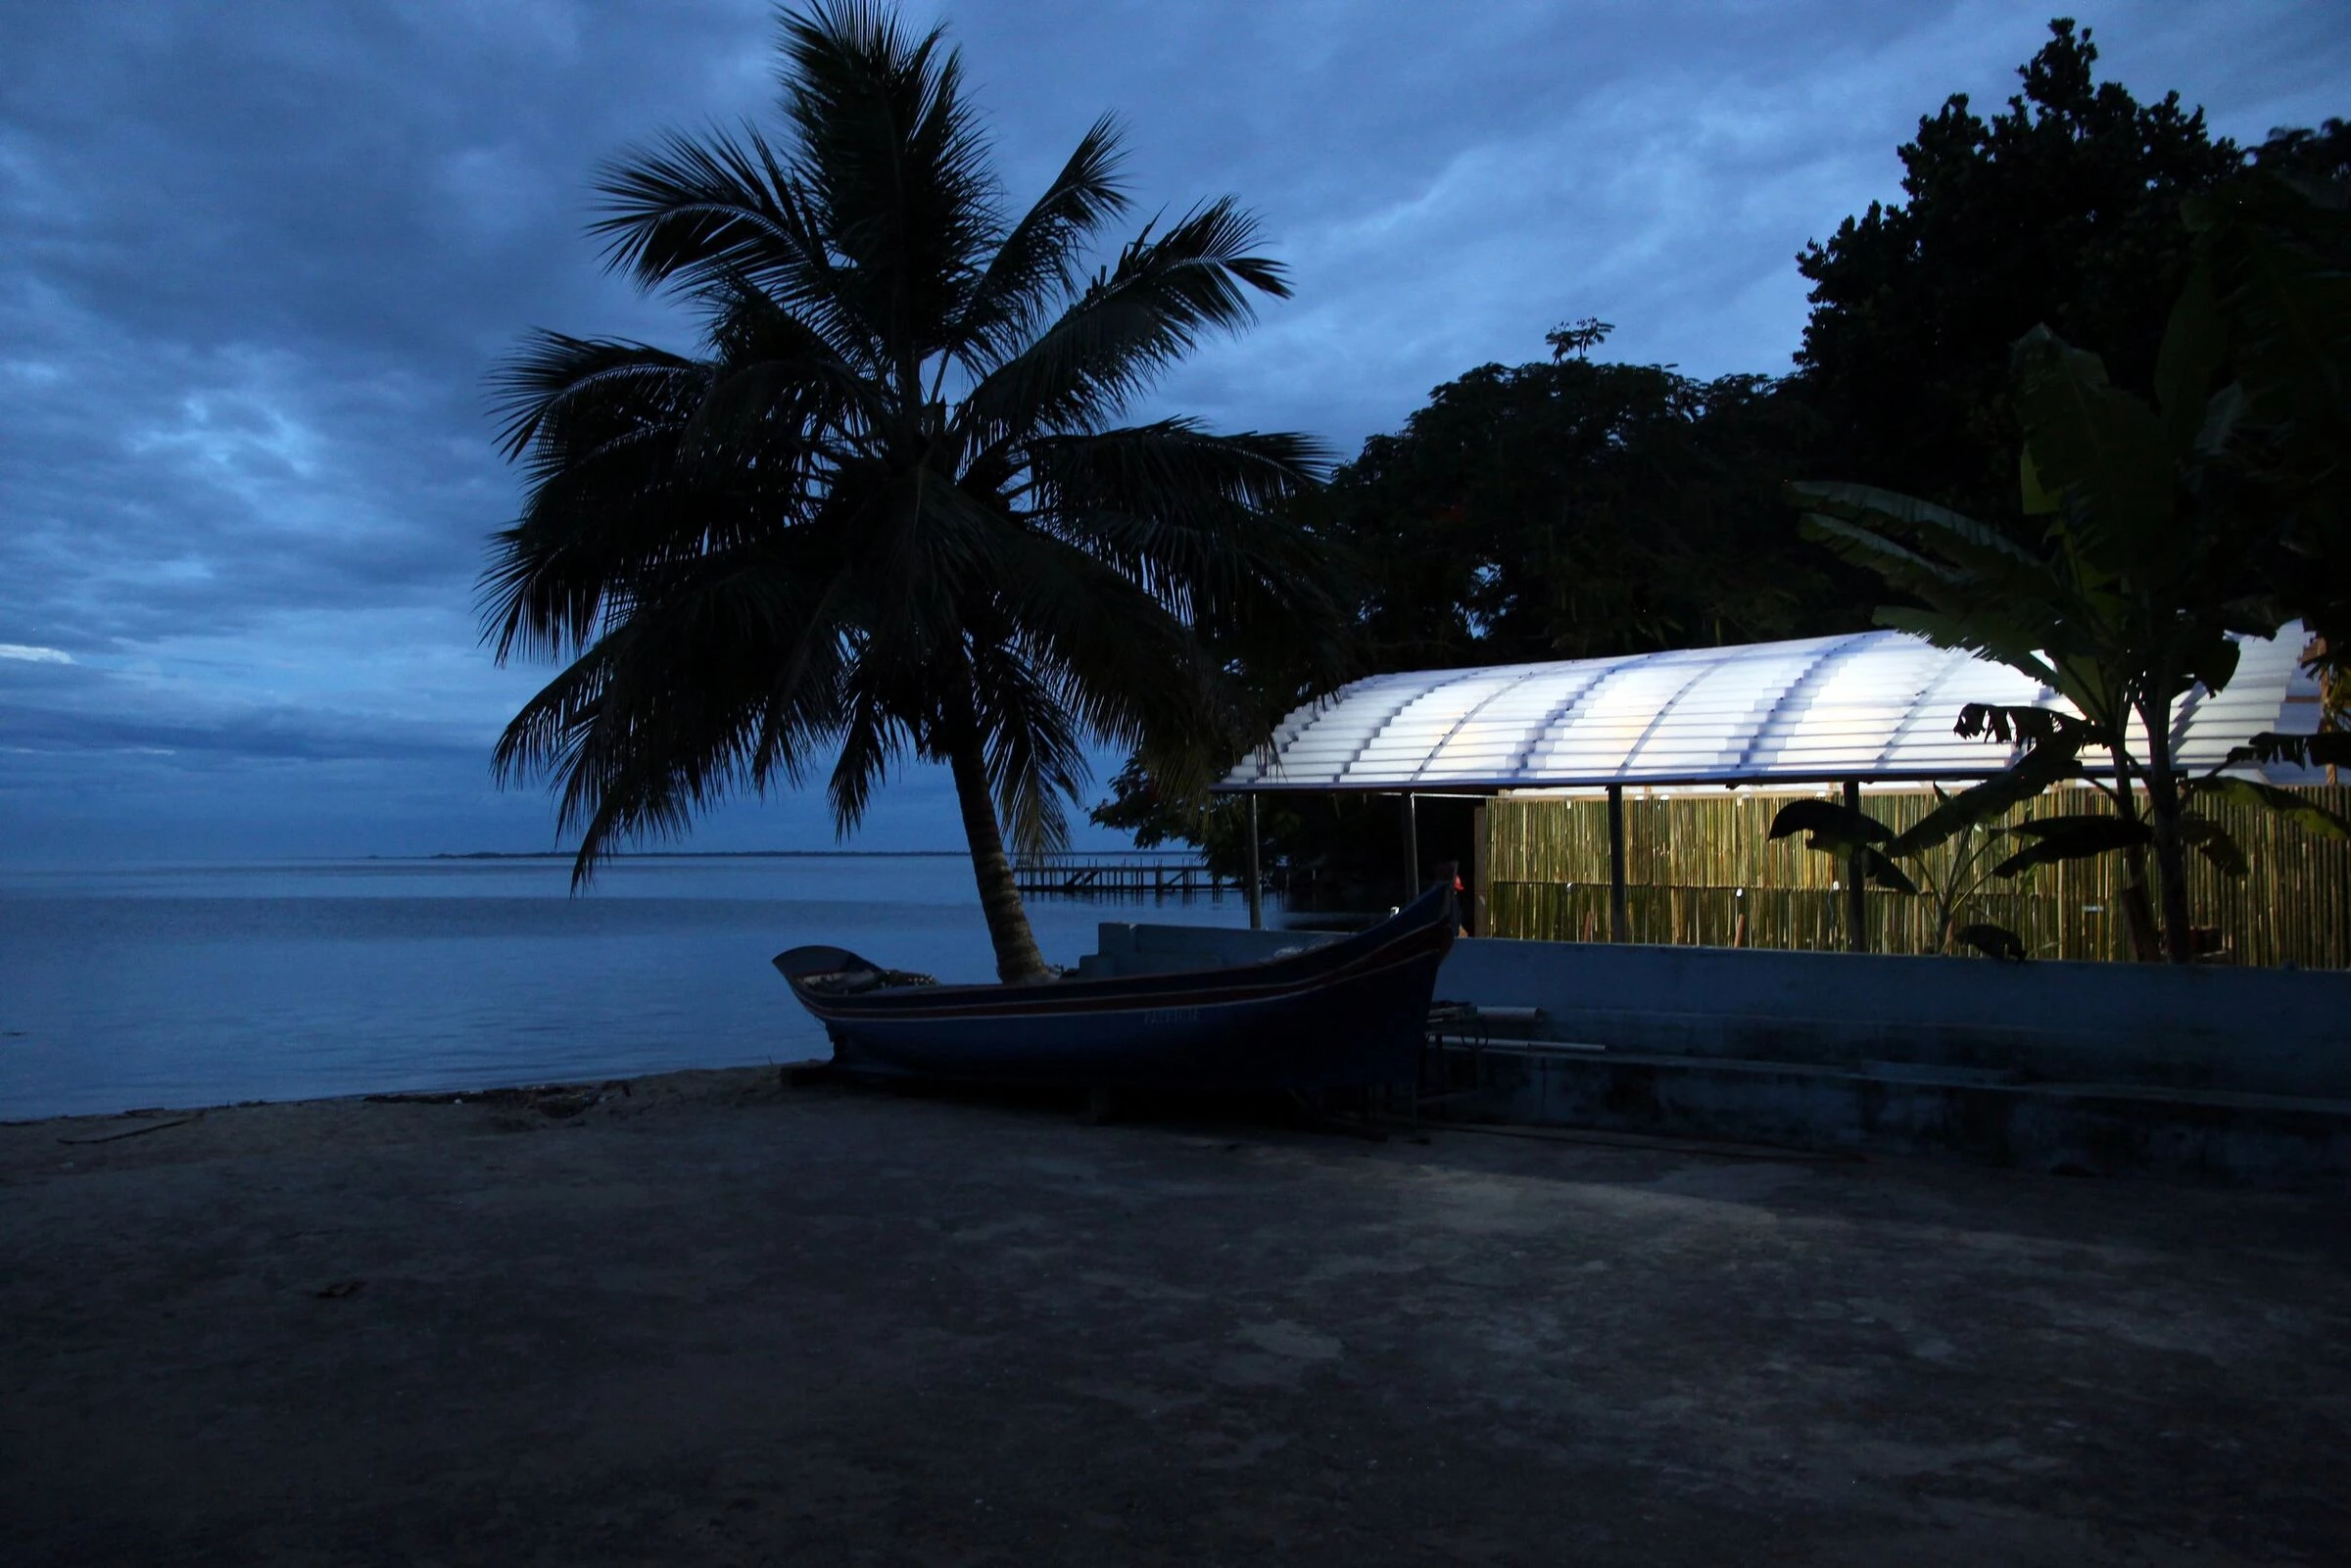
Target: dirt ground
x=715, y=1319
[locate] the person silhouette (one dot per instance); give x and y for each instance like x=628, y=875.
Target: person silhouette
x=1448, y=872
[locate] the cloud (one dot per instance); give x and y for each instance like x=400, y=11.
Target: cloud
x=144, y=709
x=255, y=264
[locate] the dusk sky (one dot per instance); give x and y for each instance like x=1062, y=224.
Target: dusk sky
x=254, y=260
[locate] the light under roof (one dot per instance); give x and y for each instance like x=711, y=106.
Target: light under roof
x=1869, y=705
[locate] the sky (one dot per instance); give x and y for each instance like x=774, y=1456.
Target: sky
x=256, y=260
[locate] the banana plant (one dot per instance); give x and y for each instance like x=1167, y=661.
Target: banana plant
x=2117, y=588
x=1855, y=836
x=2146, y=534
x=1833, y=828
x=2055, y=739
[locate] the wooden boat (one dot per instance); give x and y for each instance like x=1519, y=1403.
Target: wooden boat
x=1350, y=1013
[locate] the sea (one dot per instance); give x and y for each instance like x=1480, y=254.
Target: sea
x=126, y=988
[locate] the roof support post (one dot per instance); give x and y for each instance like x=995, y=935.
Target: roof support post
x=1619, y=927
x=1481, y=883
x=1856, y=881
x=1412, y=848
x=1257, y=880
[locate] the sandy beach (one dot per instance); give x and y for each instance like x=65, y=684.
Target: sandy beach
x=715, y=1319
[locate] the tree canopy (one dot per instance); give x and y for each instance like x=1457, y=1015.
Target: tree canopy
x=2061, y=209
x=1577, y=507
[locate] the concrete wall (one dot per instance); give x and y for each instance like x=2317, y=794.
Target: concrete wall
x=2262, y=1031
x=2074, y=1130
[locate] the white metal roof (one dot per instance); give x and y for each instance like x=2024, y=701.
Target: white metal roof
x=1872, y=705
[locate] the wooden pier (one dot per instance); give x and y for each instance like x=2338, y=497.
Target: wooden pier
x=1119, y=876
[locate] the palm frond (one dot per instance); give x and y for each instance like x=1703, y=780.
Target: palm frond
x=1036, y=266
x=894, y=161
x=624, y=528
x=689, y=214
x=1138, y=675
x=553, y=373
x=873, y=737
x=632, y=755
x=1031, y=740
x=806, y=700
x=777, y=377
x=1174, y=466
x=677, y=708
x=1132, y=322
x=1190, y=514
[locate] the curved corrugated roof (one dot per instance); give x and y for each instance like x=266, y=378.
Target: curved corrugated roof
x=1871, y=705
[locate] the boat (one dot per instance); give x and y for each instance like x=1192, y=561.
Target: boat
x=1347, y=1014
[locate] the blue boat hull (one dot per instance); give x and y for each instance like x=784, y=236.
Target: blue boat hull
x=1347, y=1014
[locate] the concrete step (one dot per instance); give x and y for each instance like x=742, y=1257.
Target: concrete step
x=2260, y=1140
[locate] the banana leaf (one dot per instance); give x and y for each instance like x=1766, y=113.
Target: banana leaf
x=2008, y=724
x=1876, y=868
x=2035, y=770
x=2331, y=750
x=2304, y=812
x=1834, y=829
x=2214, y=842
x=2195, y=344
x=2071, y=837
x=1993, y=941
x=1833, y=825
x=2099, y=450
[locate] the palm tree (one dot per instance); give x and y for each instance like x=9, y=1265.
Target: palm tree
x=888, y=512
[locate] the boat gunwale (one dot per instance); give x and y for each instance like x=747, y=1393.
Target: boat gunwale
x=1315, y=969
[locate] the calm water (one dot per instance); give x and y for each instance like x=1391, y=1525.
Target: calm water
x=190, y=987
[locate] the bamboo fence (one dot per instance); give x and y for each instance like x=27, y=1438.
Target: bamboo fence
x=1701, y=870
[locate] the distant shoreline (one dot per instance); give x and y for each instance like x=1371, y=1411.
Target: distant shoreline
x=695, y=854
x=761, y=854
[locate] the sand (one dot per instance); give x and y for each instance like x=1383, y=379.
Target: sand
x=713, y=1318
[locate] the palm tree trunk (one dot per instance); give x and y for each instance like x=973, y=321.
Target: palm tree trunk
x=2139, y=915
x=2171, y=856
x=1018, y=961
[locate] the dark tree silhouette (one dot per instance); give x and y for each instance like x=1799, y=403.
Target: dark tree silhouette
x=1579, y=507
x=2062, y=209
